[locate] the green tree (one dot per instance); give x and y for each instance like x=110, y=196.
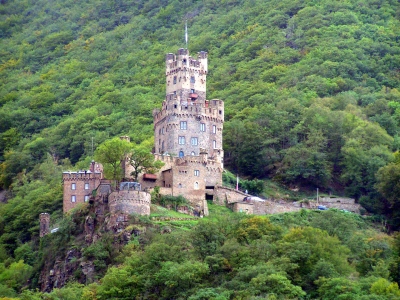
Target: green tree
x=338, y=288
x=142, y=160
x=178, y=277
x=111, y=154
x=388, y=182
x=16, y=275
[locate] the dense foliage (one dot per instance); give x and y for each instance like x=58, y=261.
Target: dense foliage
x=312, y=99
x=290, y=256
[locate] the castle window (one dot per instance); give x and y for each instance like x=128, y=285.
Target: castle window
x=162, y=130
x=73, y=198
x=86, y=185
x=162, y=146
x=174, y=79
x=180, y=185
x=159, y=141
x=214, y=129
x=86, y=198
x=183, y=125
x=181, y=140
x=73, y=186
x=192, y=79
x=181, y=154
x=202, y=127
x=192, y=91
x=120, y=218
x=215, y=144
x=175, y=106
x=196, y=185
x=192, y=154
x=194, y=141
x=196, y=173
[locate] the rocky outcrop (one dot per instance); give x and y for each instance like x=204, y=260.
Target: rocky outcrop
x=57, y=275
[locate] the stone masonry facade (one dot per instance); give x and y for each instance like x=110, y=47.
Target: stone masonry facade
x=78, y=186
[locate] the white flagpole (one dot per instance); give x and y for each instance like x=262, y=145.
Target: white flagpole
x=186, y=34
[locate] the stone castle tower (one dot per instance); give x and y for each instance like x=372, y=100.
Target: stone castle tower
x=188, y=124
x=44, y=220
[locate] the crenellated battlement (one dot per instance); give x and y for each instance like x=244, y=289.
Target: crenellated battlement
x=211, y=110
x=182, y=60
x=139, y=197
x=81, y=176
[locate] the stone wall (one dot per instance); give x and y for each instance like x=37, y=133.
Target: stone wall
x=274, y=207
x=336, y=200
x=129, y=202
x=243, y=207
x=340, y=203
x=224, y=195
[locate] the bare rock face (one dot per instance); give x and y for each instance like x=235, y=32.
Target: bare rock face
x=57, y=275
x=72, y=265
x=88, y=270
x=89, y=229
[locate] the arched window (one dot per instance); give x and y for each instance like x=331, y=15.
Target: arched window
x=196, y=185
x=181, y=154
x=193, y=154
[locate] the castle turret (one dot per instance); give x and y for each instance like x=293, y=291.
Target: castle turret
x=186, y=76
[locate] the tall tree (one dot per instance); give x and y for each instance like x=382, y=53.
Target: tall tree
x=110, y=154
x=142, y=160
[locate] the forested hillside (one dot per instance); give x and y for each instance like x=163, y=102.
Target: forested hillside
x=311, y=91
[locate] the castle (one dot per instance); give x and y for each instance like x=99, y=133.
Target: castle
x=187, y=138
